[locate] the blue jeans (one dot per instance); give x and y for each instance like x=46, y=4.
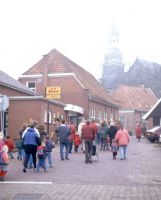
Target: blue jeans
x=23, y=154
x=41, y=163
x=10, y=153
x=123, y=151
x=30, y=161
x=48, y=155
x=62, y=147
x=19, y=153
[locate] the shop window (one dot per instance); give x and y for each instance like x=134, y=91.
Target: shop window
x=31, y=85
x=93, y=113
x=105, y=117
x=45, y=117
x=99, y=115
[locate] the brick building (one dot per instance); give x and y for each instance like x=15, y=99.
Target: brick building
x=24, y=104
x=84, y=95
x=154, y=115
x=134, y=103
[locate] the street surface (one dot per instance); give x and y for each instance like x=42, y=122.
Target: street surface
x=137, y=177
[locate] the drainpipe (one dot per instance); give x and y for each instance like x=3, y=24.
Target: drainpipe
x=89, y=100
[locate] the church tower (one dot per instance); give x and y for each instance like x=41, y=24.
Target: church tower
x=113, y=67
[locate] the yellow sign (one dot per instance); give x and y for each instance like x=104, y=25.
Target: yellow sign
x=58, y=96
x=53, y=90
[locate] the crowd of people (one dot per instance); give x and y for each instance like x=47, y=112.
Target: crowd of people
x=34, y=142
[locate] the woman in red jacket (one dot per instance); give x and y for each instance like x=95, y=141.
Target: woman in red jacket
x=138, y=132
x=77, y=141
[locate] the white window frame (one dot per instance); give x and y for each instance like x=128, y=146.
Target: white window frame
x=105, y=116
x=27, y=83
x=125, y=120
x=53, y=118
x=49, y=117
x=45, y=116
x=92, y=113
x=99, y=115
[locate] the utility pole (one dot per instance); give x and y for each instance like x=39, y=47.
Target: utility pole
x=48, y=118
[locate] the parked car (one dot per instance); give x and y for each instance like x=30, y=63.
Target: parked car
x=154, y=134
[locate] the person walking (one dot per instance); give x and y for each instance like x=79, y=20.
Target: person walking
x=63, y=132
x=31, y=141
x=10, y=145
x=42, y=132
x=103, y=135
x=72, y=127
x=81, y=124
x=122, y=137
x=112, y=132
x=49, y=146
x=89, y=136
x=94, y=126
x=117, y=126
x=77, y=142
x=138, y=131
x=143, y=130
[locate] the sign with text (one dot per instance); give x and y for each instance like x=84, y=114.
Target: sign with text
x=53, y=92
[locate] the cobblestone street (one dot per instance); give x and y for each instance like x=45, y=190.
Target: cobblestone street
x=137, y=177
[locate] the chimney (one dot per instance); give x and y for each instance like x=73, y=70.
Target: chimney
x=45, y=72
x=141, y=85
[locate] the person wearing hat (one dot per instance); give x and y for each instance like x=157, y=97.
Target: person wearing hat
x=112, y=132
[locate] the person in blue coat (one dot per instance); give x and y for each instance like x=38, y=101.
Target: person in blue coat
x=49, y=146
x=64, y=132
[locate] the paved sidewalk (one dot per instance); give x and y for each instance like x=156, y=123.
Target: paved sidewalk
x=137, y=177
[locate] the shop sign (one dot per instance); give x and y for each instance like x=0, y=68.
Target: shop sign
x=53, y=92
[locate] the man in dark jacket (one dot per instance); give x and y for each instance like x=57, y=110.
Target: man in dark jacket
x=89, y=136
x=64, y=132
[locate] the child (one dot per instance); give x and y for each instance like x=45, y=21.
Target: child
x=3, y=160
x=10, y=146
x=114, y=148
x=108, y=142
x=19, y=155
x=41, y=157
x=77, y=141
x=49, y=146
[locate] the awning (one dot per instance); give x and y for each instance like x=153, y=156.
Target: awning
x=71, y=107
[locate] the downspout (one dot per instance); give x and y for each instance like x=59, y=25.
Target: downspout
x=89, y=100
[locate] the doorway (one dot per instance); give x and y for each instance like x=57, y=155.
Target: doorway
x=75, y=121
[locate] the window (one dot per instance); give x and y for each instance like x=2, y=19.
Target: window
x=105, y=117
x=31, y=85
x=111, y=116
x=93, y=113
x=99, y=115
x=53, y=118
x=123, y=121
x=45, y=117
x=49, y=117
x=61, y=116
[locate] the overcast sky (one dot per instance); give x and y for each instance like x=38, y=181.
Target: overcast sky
x=78, y=29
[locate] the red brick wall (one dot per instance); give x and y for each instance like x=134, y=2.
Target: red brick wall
x=129, y=118
x=103, y=108
x=20, y=112
x=9, y=92
x=150, y=123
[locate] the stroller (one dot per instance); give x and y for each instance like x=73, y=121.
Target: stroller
x=95, y=153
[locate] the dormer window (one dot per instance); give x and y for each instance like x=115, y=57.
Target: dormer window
x=31, y=85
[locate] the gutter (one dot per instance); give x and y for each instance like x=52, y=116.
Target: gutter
x=23, y=98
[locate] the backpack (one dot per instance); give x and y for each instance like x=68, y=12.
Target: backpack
x=41, y=154
x=1, y=159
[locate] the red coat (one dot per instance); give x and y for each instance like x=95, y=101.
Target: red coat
x=138, y=131
x=73, y=131
x=95, y=128
x=10, y=145
x=77, y=140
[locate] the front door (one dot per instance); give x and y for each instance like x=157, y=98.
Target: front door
x=75, y=121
